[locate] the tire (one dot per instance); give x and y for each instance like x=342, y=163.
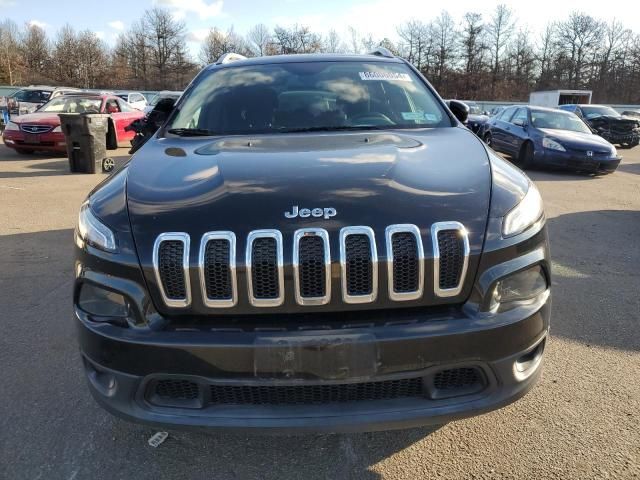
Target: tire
x=525, y=158
x=108, y=164
x=25, y=151
x=112, y=140
x=488, y=140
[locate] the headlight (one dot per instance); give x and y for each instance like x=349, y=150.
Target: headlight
x=552, y=144
x=94, y=232
x=11, y=126
x=58, y=129
x=519, y=287
x=525, y=214
x=614, y=152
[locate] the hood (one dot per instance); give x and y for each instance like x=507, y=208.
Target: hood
x=245, y=183
x=613, y=121
x=578, y=140
x=38, y=118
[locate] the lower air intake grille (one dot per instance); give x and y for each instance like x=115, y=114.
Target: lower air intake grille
x=170, y=266
x=312, y=267
x=451, y=249
x=405, y=262
x=315, y=394
x=456, y=378
x=359, y=267
x=264, y=268
x=177, y=390
x=217, y=270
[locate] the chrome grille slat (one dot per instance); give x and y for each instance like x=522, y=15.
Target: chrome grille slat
x=162, y=270
x=312, y=270
x=217, y=266
x=441, y=289
x=266, y=279
x=36, y=129
x=352, y=264
x=311, y=265
x=407, y=259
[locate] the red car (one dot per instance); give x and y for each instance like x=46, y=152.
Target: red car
x=41, y=130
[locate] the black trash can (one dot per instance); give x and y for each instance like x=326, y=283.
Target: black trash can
x=86, y=138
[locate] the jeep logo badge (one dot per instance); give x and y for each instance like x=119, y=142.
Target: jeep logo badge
x=327, y=213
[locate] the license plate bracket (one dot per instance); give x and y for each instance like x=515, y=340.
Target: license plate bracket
x=31, y=138
x=326, y=357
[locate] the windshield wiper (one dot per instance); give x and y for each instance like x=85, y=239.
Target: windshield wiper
x=191, y=132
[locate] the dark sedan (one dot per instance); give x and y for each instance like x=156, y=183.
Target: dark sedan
x=536, y=136
x=609, y=124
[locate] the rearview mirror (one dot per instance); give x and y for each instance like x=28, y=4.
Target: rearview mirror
x=459, y=109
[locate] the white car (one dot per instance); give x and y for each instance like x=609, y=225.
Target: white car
x=135, y=99
x=163, y=94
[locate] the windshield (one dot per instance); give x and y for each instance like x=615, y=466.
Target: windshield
x=308, y=96
x=593, y=112
x=558, y=121
x=72, y=105
x=475, y=110
x=32, y=96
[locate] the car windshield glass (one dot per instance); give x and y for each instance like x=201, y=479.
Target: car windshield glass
x=72, y=105
x=32, y=96
x=475, y=110
x=593, y=112
x=558, y=121
x=309, y=96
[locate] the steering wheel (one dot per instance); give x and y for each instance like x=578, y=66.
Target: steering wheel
x=373, y=118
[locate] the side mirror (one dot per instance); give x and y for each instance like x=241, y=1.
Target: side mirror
x=459, y=109
x=519, y=122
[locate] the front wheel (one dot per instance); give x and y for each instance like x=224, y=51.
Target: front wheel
x=488, y=140
x=108, y=164
x=525, y=159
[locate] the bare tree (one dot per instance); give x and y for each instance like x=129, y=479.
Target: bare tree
x=35, y=50
x=9, y=52
x=259, y=38
x=217, y=43
x=500, y=30
x=165, y=35
x=579, y=36
x=297, y=39
x=91, y=57
x=444, y=33
x=332, y=43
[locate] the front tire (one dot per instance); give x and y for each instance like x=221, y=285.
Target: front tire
x=525, y=158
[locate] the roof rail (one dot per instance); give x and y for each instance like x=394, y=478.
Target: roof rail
x=382, y=52
x=230, y=57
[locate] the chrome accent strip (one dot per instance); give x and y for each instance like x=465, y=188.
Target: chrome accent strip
x=435, y=229
x=265, y=302
x=389, y=232
x=231, y=238
x=297, y=236
x=184, y=238
x=35, y=129
x=344, y=233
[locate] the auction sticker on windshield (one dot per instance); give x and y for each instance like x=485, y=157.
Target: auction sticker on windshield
x=389, y=76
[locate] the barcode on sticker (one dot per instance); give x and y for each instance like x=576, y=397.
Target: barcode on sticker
x=389, y=76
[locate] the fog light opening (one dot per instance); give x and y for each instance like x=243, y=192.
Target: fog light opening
x=527, y=364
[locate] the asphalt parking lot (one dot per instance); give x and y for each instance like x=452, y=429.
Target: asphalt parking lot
x=581, y=421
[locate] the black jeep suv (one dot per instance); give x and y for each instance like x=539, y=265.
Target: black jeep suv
x=312, y=243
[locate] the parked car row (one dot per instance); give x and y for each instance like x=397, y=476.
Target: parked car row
x=41, y=130
x=573, y=136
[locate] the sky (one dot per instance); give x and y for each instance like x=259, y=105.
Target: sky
x=376, y=17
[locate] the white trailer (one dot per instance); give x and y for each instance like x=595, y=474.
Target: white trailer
x=555, y=98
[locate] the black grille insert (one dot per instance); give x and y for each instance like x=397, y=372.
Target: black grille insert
x=171, y=268
x=359, y=266
x=312, y=268
x=451, y=247
x=176, y=389
x=456, y=382
x=405, y=262
x=315, y=394
x=264, y=268
x=217, y=270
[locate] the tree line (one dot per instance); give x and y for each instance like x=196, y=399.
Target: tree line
x=473, y=57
